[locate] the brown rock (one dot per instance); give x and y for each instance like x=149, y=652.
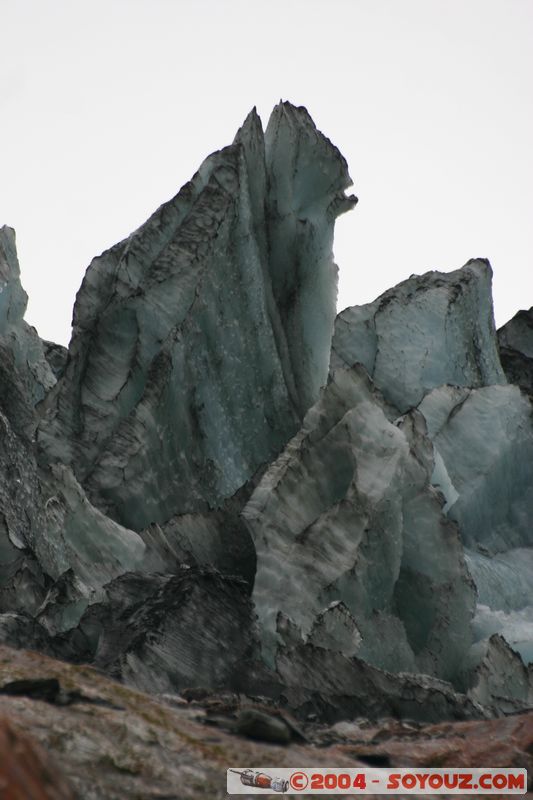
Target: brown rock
x=26, y=771
x=115, y=743
x=505, y=742
x=261, y=726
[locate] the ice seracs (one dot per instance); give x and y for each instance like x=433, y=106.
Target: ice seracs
x=430, y=343
x=205, y=491
x=515, y=340
x=347, y=514
x=25, y=376
x=200, y=342
x=429, y=330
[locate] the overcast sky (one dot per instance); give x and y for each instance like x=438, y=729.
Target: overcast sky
x=109, y=106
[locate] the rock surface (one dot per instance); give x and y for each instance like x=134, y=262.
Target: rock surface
x=116, y=742
x=27, y=772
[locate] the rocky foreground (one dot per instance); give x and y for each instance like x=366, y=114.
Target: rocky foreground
x=69, y=732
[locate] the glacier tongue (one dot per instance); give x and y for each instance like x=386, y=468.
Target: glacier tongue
x=222, y=485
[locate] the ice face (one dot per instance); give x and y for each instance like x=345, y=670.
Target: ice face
x=216, y=540
x=497, y=671
x=13, y=298
x=200, y=342
x=516, y=626
x=48, y=527
x=484, y=438
x=430, y=330
x=25, y=375
x=515, y=340
x=486, y=445
x=430, y=343
x=306, y=195
x=346, y=514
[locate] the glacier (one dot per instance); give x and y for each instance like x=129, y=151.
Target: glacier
x=200, y=321
x=480, y=428
x=515, y=341
x=224, y=484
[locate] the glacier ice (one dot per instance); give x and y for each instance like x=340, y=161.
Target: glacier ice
x=516, y=625
x=430, y=330
x=515, y=340
x=430, y=344
x=194, y=355
x=486, y=444
x=496, y=670
x=25, y=376
x=485, y=439
x=47, y=524
x=222, y=484
x=347, y=513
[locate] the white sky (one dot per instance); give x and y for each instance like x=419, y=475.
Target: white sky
x=109, y=106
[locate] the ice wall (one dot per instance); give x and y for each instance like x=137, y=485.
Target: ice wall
x=200, y=493
x=429, y=330
x=515, y=340
x=201, y=340
x=430, y=343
